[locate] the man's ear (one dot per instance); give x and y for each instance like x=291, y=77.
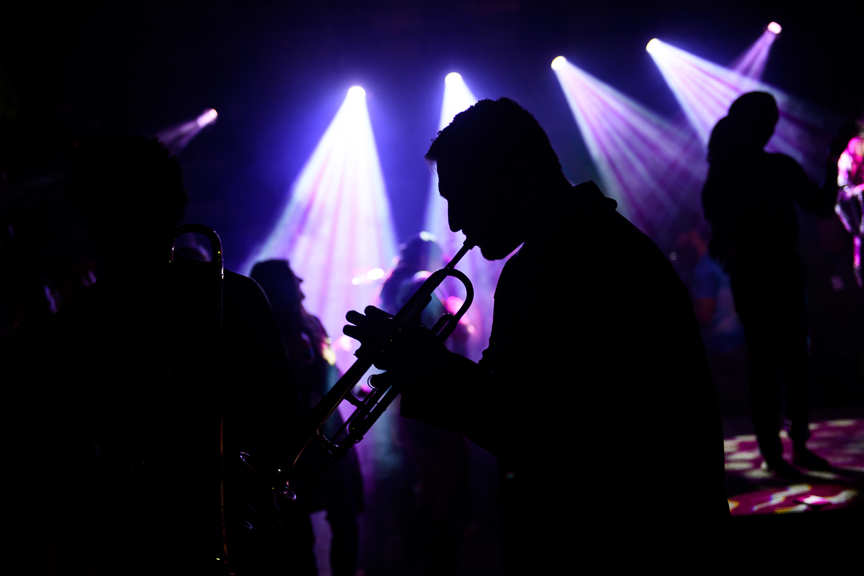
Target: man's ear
x=515, y=184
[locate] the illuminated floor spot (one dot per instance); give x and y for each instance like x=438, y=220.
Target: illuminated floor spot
x=758, y=474
x=752, y=490
x=779, y=497
x=730, y=446
x=744, y=455
x=829, y=434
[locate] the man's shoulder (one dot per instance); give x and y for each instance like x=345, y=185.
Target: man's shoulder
x=777, y=161
x=586, y=225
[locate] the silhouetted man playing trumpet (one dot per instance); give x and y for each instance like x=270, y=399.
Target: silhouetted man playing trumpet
x=594, y=392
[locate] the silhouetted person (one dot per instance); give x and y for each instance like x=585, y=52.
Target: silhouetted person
x=339, y=490
x=595, y=371
x=850, y=197
x=749, y=200
x=437, y=486
x=418, y=259
x=721, y=330
x=124, y=410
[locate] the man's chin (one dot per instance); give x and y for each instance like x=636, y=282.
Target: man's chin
x=493, y=252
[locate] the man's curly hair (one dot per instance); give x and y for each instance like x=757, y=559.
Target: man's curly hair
x=495, y=134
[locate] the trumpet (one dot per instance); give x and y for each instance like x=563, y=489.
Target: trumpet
x=368, y=409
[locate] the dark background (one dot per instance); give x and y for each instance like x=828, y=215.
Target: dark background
x=278, y=71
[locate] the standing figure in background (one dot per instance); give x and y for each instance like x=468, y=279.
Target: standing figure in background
x=437, y=485
x=340, y=488
x=721, y=330
x=418, y=258
x=749, y=201
x=850, y=180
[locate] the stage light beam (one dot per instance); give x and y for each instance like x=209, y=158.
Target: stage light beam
x=774, y=28
x=650, y=167
x=705, y=91
x=752, y=62
x=336, y=228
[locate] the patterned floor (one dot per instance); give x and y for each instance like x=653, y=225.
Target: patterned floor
x=753, y=491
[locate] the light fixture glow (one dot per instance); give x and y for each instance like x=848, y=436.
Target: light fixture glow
x=653, y=45
x=178, y=137
x=206, y=118
x=774, y=27
x=558, y=63
x=356, y=92
x=452, y=78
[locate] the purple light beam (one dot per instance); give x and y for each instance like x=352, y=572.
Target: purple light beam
x=337, y=225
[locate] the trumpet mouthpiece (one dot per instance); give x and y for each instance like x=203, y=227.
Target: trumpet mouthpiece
x=462, y=251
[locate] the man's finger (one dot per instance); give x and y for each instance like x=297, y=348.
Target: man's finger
x=376, y=313
x=352, y=331
x=355, y=317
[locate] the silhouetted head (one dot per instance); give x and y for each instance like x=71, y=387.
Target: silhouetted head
x=280, y=284
x=757, y=114
x=130, y=193
x=723, y=144
x=496, y=169
x=420, y=253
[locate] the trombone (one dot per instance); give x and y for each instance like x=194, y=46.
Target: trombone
x=368, y=409
x=213, y=301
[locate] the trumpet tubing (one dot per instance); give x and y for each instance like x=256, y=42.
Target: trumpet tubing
x=368, y=409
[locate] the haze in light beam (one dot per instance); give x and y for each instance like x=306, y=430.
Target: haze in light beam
x=752, y=62
x=705, y=90
x=653, y=169
x=483, y=274
x=337, y=224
